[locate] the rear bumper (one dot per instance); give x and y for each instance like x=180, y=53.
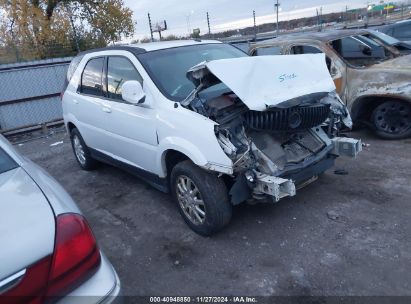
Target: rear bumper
x=102, y=288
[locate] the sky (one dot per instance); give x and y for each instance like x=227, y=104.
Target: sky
x=183, y=16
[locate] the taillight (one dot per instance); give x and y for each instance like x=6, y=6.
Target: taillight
x=76, y=257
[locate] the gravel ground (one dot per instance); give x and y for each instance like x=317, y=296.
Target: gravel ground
x=342, y=235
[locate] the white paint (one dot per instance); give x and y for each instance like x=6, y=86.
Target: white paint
x=140, y=135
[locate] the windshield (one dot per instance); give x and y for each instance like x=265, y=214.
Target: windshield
x=6, y=163
x=168, y=67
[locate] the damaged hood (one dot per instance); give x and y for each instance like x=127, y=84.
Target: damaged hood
x=266, y=81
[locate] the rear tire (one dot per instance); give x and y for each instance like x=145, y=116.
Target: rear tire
x=202, y=198
x=392, y=120
x=81, y=151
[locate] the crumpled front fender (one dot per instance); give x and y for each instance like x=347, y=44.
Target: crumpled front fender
x=338, y=108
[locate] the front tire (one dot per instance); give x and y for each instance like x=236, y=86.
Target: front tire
x=81, y=151
x=202, y=198
x=392, y=120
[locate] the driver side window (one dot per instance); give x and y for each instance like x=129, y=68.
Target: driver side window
x=120, y=70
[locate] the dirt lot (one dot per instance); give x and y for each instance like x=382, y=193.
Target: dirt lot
x=343, y=235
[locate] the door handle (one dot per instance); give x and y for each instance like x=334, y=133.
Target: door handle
x=75, y=101
x=106, y=109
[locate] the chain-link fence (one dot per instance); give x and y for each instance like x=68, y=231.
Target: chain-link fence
x=31, y=80
x=30, y=93
x=349, y=18
x=25, y=53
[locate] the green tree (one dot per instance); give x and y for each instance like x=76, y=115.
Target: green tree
x=33, y=29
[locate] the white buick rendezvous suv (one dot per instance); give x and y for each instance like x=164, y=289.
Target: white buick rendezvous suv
x=206, y=122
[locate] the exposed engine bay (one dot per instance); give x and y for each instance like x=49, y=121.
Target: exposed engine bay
x=278, y=149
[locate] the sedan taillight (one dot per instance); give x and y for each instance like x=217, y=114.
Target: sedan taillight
x=76, y=257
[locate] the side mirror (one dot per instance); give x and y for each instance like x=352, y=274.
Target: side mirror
x=132, y=92
x=366, y=50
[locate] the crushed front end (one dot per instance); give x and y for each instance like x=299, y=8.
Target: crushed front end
x=277, y=148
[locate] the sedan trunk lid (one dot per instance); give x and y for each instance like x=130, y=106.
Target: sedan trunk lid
x=27, y=225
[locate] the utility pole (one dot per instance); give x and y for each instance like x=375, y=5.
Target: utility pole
x=255, y=27
x=346, y=14
x=188, y=25
x=321, y=18
x=208, y=23
x=387, y=10
x=402, y=11
x=366, y=15
x=277, y=6
x=151, y=28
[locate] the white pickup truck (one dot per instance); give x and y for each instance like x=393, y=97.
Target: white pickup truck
x=206, y=122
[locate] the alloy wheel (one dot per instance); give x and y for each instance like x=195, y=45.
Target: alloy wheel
x=190, y=200
x=78, y=150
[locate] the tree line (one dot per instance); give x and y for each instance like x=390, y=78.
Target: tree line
x=38, y=29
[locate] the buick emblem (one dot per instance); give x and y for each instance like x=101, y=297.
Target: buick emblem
x=294, y=120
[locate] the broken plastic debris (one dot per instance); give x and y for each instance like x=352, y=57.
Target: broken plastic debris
x=56, y=143
x=332, y=215
x=341, y=172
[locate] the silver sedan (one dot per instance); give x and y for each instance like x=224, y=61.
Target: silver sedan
x=48, y=251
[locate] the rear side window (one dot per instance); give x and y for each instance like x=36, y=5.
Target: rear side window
x=92, y=77
x=266, y=51
x=6, y=163
x=120, y=70
x=71, y=69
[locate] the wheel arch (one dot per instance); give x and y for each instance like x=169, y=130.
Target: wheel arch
x=70, y=126
x=179, y=148
x=363, y=106
x=171, y=158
